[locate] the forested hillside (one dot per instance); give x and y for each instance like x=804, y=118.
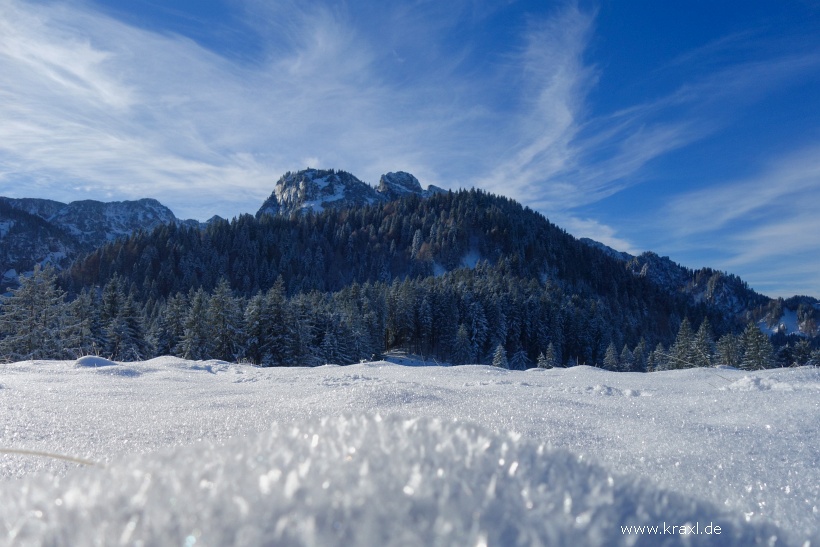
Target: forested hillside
x=464, y=277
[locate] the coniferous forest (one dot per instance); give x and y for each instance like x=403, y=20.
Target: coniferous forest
x=460, y=277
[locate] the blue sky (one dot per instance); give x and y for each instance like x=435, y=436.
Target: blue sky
x=691, y=129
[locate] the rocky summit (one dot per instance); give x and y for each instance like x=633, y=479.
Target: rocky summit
x=320, y=189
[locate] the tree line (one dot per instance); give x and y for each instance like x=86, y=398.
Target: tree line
x=480, y=315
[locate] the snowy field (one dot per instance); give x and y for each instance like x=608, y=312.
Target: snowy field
x=210, y=453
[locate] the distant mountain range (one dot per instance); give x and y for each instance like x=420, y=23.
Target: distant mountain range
x=38, y=231
x=42, y=231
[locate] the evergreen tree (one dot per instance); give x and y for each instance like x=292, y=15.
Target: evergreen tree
x=463, y=348
x=681, y=354
x=113, y=299
x=553, y=357
x=758, y=352
x=33, y=319
x=658, y=359
x=801, y=353
x=626, y=363
x=703, y=345
x=520, y=361
x=611, y=358
x=330, y=349
x=84, y=333
x=169, y=329
x=500, y=357
x=279, y=339
x=127, y=333
x=196, y=341
x=224, y=318
x=639, y=357
x=254, y=329
x=730, y=350
x=548, y=359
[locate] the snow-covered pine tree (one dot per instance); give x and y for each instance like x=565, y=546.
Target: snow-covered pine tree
x=425, y=321
x=500, y=357
x=758, y=352
x=703, y=345
x=305, y=338
x=112, y=301
x=681, y=354
x=83, y=333
x=625, y=361
x=478, y=327
x=639, y=357
x=658, y=359
x=225, y=321
x=611, y=361
x=254, y=329
x=33, y=319
x=169, y=328
x=729, y=350
x=520, y=361
x=133, y=345
x=462, y=352
x=329, y=349
x=197, y=342
x=801, y=353
x=550, y=357
x=278, y=345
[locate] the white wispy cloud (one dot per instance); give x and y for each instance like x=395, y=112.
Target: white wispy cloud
x=94, y=103
x=767, y=225
x=92, y=106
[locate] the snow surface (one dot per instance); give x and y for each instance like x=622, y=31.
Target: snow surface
x=212, y=453
x=787, y=324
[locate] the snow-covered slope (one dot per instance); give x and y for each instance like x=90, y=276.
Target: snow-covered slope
x=210, y=453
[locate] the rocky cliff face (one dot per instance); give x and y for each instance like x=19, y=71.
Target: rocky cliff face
x=318, y=189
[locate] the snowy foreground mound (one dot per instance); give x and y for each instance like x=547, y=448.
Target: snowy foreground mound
x=210, y=453
x=362, y=480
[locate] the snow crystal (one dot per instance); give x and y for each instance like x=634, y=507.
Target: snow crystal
x=355, y=480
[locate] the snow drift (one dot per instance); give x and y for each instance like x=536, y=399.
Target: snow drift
x=213, y=453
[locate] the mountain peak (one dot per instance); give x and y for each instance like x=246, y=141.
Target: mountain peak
x=398, y=184
x=320, y=189
x=317, y=189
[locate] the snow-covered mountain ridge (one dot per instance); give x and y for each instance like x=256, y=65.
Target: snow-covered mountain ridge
x=42, y=231
x=723, y=291
x=319, y=189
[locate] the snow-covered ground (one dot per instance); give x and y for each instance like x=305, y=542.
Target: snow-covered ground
x=211, y=453
x=787, y=324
